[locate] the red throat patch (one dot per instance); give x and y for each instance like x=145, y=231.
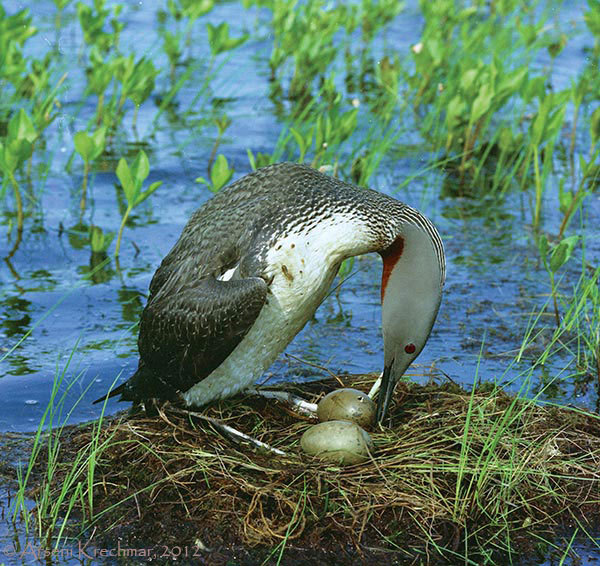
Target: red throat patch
x=390, y=256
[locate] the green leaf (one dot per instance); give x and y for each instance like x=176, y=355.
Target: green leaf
x=436, y=50
x=543, y=246
x=99, y=141
x=538, y=126
x=3, y=165
x=83, y=145
x=21, y=127
x=302, y=145
x=250, y=159
x=595, y=126
x=534, y=87
x=145, y=194
x=140, y=167
x=562, y=252
x=220, y=172
x=454, y=111
x=512, y=83
x=467, y=79
x=219, y=40
x=15, y=152
x=124, y=175
x=555, y=123
x=565, y=198
x=482, y=103
x=347, y=124
x=99, y=241
x=90, y=147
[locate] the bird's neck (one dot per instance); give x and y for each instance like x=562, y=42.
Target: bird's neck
x=412, y=281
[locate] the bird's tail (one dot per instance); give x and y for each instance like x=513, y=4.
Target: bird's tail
x=120, y=390
x=142, y=385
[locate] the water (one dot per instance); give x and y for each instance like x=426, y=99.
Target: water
x=86, y=326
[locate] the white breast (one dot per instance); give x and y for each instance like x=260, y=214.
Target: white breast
x=303, y=266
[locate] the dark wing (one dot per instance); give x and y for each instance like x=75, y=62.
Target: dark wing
x=187, y=333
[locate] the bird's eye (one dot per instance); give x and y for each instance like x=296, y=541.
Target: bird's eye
x=410, y=348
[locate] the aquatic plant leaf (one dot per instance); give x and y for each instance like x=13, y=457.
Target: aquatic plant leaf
x=347, y=124
x=302, y=143
x=436, y=50
x=455, y=111
x=126, y=179
x=555, y=122
x=539, y=123
x=482, y=103
x=535, y=87
x=4, y=166
x=99, y=140
x=21, y=127
x=512, y=82
x=99, y=240
x=13, y=153
x=592, y=17
x=562, y=252
x=140, y=167
x=219, y=40
x=468, y=79
x=141, y=82
x=220, y=173
x=595, y=126
x=193, y=9
x=565, y=198
x=142, y=196
x=83, y=145
x=543, y=247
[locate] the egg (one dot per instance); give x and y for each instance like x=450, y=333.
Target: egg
x=341, y=442
x=347, y=405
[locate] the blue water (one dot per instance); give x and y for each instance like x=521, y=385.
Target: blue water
x=494, y=277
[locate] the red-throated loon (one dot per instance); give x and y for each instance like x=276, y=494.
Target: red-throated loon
x=253, y=264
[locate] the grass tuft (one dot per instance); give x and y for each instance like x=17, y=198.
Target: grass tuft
x=478, y=475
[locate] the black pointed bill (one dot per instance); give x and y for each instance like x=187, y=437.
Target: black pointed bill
x=385, y=393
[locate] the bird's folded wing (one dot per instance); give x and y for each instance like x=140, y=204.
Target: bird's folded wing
x=189, y=332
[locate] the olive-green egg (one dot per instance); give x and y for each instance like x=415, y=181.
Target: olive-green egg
x=341, y=442
x=347, y=405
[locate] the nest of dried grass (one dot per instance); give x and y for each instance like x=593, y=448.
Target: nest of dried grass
x=458, y=474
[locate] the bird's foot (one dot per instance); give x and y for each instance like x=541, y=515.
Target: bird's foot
x=296, y=403
x=232, y=433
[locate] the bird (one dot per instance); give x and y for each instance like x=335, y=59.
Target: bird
x=250, y=269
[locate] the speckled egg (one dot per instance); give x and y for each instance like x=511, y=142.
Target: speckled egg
x=341, y=442
x=347, y=405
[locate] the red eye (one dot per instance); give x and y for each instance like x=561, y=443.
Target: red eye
x=409, y=348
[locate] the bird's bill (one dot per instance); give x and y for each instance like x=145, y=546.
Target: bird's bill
x=385, y=393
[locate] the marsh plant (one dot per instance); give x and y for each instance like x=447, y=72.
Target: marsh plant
x=220, y=174
x=89, y=147
x=132, y=179
x=15, y=149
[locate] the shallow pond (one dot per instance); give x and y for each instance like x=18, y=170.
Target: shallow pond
x=85, y=325
x=495, y=279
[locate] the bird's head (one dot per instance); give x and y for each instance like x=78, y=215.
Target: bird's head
x=411, y=291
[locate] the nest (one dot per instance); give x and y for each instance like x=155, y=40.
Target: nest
x=474, y=475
